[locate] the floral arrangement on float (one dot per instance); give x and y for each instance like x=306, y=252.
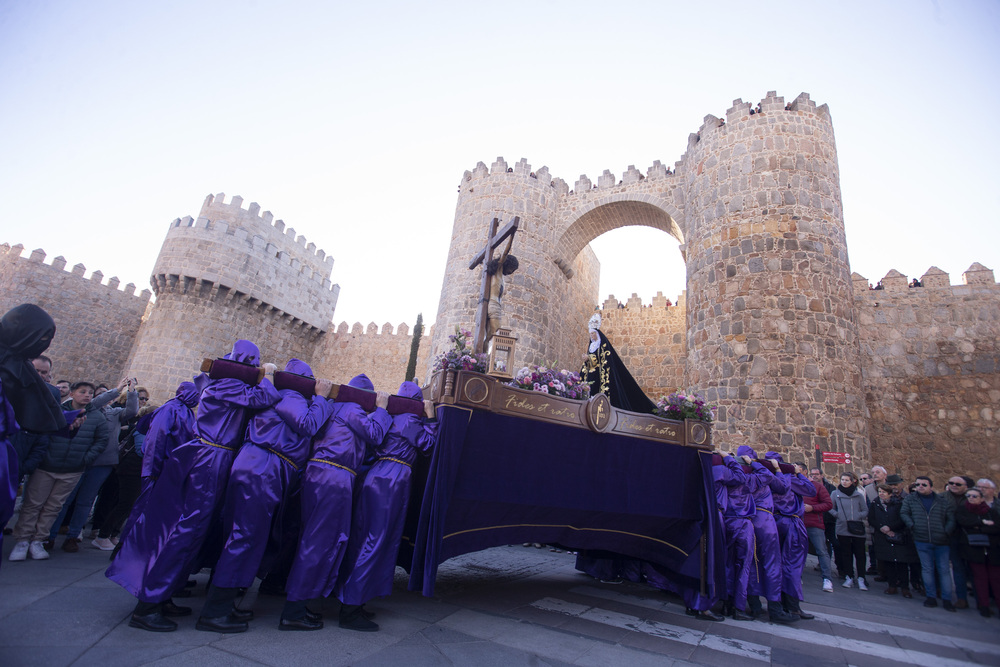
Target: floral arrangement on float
x=565, y=384
x=681, y=407
x=461, y=357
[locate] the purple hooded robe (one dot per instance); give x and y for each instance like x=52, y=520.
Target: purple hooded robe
x=765, y=578
x=263, y=475
x=327, y=494
x=788, y=512
x=380, y=510
x=737, y=515
x=172, y=424
x=165, y=542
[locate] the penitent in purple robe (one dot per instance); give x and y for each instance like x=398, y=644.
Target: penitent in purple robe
x=265, y=472
x=9, y=469
x=739, y=515
x=727, y=476
x=327, y=495
x=160, y=551
x=380, y=510
x=172, y=424
x=788, y=512
x=765, y=578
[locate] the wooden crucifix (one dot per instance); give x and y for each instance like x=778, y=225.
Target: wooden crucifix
x=483, y=331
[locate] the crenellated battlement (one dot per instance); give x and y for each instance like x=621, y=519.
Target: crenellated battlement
x=243, y=249
x=895, y=283
x=13, y=253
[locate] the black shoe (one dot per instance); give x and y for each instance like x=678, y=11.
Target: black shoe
x=190, y=583
x=315, y=615
x=154, y=622
x=707, y=615
x=301, y=624
x=805, y=616
x=171, y=609
x=948, y=606
x=224, y=624
x=777, y=614
x=367, y=614
x=740, y=615
x=359, y=623
x=242, y=615
x=931, y=602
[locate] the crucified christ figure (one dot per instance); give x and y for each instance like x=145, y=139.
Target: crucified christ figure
x=489, y=312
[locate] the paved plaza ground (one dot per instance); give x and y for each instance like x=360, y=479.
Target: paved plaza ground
x=506, y=606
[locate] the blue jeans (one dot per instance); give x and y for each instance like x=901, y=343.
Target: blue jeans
x=85, y=493
x=935, y=558
x=817, y=537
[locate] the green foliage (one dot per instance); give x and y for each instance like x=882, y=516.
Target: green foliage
x=418, y=330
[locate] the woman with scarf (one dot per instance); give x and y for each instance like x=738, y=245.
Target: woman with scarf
x=850, y=510
x=894, y=547
x=25, y=399
x=979, y=543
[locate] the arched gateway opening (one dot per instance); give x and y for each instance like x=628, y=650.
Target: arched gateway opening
x=648, y=331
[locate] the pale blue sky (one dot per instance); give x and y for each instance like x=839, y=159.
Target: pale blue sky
x=355, y=121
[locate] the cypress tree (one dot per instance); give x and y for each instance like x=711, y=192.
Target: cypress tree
x=418, y=330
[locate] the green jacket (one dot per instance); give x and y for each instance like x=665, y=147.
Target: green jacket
x=934, y=526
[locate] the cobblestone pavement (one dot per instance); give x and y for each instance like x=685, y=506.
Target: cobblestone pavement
x=504, y=606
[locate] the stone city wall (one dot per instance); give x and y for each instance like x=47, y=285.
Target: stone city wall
x=96, y=322
x=931, y=362
x=651, y=341
x=381, y=355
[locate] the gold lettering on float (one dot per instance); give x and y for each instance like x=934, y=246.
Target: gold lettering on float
x=513, y=401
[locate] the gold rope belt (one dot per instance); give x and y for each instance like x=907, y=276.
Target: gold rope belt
x=334, y=464
x=283, y=458
x=395, y=460
x=212, y=444
x=764, y=510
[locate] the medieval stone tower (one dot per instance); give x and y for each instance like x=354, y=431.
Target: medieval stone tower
x=232, y=273
x=771, y=327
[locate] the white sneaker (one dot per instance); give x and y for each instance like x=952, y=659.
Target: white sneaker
x=115, y=541
x=862, y=584
x=104, y=544
x=827, y=586
x=848, y=582
x=37, y=551
x=19, y=552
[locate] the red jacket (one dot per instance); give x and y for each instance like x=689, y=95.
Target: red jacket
x=820, y=503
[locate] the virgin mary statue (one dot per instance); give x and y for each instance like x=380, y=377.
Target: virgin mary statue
x=606, y=374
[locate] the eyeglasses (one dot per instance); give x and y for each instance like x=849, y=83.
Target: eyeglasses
x=972, y=496
x=921, y=484
x=956, y=483
x=144, y=398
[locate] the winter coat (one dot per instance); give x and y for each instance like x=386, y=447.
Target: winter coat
x=879, y=515
x=76, y=453
x=935, y=526
x=848, y=508
x=821, y=504
x=116, y=417
x=970, y=524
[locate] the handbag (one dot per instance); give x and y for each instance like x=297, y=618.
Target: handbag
x=854, y=527
x=977, y=539
x=896, y=538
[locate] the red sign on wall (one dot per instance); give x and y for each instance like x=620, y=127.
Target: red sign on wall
x=836, y=457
